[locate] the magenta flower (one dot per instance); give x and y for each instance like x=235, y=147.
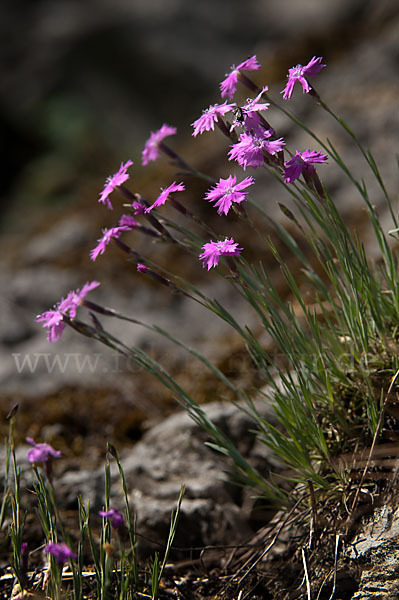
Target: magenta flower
x=212, y=251
x=299, y=73
x=250, y=118
x=142, y=268
x=174, y=187
x=108, y=234
x=227, y=191
x=61, y=552
x=138, y=207
x=229, y=84
x=128, y=221
x=249, y=150
x=302, y=162
x=151, y=148
x=53, y=319
x=41, y=453
x=115, y=517
x=72, y=301
x=209, y=117
x=114, y=181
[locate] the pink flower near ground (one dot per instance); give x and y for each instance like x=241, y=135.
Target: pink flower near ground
x=115, y=517
x=174, y=187
x=299, y=73
x=53, y=319
x=249, y=150
x=212, y=251
x=227, y=191
x=229, y=85
x=61, y=552
x=41, y=453
x=206, y=122
x=114, y=181
x=142, y=268
x=300, y=162
x=151, y=147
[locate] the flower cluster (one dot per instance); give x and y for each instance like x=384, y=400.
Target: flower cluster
x=256, y=145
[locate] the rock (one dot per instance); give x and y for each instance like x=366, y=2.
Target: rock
x=174, y=453
x=374, y=550
x=169, y=455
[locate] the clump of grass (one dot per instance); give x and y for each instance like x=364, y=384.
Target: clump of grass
x=88, y=563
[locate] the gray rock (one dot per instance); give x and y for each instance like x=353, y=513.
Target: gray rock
x=375, y=551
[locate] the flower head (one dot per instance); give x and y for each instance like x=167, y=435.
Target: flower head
x=302, y=162
x=249, y=117
x=227, y=191
x=174, y=187
x=299, y=73
x=61, y=552
x=41, y=453
x=114, y=181
x=138, y=207
x=249, y=150
x=142, y=268
x=53, y=319
x=128, y=221
x=151, y=147
x=206, y=122
x=229, y=84
x=115, y=517
x=108, y=234
x=212, y=251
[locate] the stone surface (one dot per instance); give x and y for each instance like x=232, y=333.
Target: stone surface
x=374, y=551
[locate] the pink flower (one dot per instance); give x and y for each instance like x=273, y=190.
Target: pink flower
x=73, y=299
x=41, y=453
x=61, y=551
x=229, y=84
x=209, y=117
x=108, y=234
x=302, y=162
x=114, y=516
x=142, y=268
x=249, y=117
x=138, y=207
x=212, y=251
x=228, y=191
x=53, y=319
x=114, y=181
x=151, y=148
x=249, y=150
x=128, y=221
x=174, y=187
x=299, y=73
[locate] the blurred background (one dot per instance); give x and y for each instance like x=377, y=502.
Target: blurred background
x=82, y=84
